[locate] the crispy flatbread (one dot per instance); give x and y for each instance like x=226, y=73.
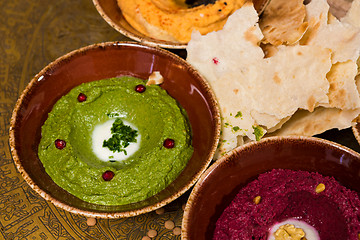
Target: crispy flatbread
x=264, y=90
x=342, y=38
x=301, y=89
x=283, y=22
x=304, y=123
x=343, y=93
x=353, y=17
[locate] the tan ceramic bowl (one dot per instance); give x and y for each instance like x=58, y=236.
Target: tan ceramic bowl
x=97, y=62
x=112, y=14
x=223, y=180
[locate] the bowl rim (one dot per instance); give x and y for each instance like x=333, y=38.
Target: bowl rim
x=99, y=213
x=356, y=131
x=145, y=39
x=224, y=159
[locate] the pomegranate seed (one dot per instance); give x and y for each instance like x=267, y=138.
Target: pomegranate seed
x=140, y=88
x=60, y=144
x=215, y=60
x=81, y=97
x=108, y=175
x=169, y=143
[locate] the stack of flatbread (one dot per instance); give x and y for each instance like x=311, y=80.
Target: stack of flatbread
x=294, y=72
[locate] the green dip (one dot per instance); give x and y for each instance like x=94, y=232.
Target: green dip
x=153, y=114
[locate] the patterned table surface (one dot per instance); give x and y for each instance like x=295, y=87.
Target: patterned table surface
x=32, y=34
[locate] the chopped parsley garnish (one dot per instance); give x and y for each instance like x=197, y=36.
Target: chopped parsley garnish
x=238, y=114
x=122, y=136
x=258, y=132
x=111, y=115
x=236, y=128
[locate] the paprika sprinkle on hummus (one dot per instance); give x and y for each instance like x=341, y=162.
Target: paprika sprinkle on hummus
x=175, y=20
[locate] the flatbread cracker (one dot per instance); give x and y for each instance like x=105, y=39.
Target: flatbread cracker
x=344, y=44
x=343, y=93
x=269, y=50
x=317, y=17
x=301, y=89
x=304, y=123
x=244, y=32
x=259, y=88
x=282, y=22
x=342, y=38
x=353, y=17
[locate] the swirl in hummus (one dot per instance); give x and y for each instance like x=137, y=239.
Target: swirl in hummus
x=174, y=20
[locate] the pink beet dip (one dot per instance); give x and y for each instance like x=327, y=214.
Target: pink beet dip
x=286, y=194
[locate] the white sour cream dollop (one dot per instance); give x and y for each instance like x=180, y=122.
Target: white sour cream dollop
x=102, y=132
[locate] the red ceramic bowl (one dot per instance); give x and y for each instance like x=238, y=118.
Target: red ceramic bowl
x=111, y=13
x=224, y=179
x=97, y=62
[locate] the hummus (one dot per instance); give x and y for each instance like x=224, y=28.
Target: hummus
x=79, y=147
x=293, y=202
x=174, y=20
